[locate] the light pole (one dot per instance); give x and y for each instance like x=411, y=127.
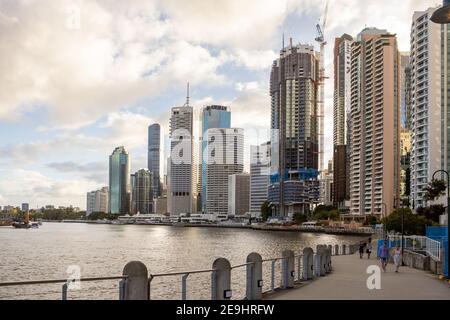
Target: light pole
x=448, y=203
x=383, y=215
x=403, y=221
x=442, y=15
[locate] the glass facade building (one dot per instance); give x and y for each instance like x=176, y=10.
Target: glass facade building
x=212, y=117
x=142, y=198
x=119, y=181
x=154, y=142
x=294, y=92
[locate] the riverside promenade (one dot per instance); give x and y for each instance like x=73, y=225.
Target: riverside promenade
x=348, y=281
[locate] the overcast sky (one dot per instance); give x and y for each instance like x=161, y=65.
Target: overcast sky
x=78, y=78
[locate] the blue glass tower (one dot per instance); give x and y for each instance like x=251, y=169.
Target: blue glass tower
x=119, y=181
x=212, y=117
x=154, y=141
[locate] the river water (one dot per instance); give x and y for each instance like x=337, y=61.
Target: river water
x=103, y=250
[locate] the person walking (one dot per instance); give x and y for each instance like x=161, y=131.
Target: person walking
x=397, y=257
x=369, y=249
x=383, y=255
x=362, y=245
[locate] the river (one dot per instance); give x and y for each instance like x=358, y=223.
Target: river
x=103, y=250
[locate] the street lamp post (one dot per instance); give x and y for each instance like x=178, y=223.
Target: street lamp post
x=383, y=215
x=403, y=221
x=442, y=15
x=448, y=203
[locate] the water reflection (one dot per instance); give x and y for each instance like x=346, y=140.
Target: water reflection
x=102, y=250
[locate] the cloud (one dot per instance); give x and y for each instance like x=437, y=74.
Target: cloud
x=115, y=58
x=29, y=186
x=32, y=152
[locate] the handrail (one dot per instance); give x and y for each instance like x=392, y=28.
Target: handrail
x=180, y=273
x=242, y=265
x=32, y=282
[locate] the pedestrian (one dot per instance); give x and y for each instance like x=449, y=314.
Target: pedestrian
x=383, y=254
x=362, y=245
x=397, y=257
x=369, y=250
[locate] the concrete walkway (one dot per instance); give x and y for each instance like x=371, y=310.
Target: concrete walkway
x=348, y=282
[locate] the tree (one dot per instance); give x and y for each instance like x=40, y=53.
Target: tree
x=265, y=211
x=371, y=220
x=432, y=212
x=322, y=208
x=435, y=189
x=299, y=218
x=413, y=224
x=328, y=214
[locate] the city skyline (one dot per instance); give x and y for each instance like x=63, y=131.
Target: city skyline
x=55, y=146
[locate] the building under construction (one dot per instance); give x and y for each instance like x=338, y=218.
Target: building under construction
x=294, y=89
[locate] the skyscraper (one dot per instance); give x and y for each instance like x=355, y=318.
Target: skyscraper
x=341, y=112
x=326, y=185
x=213, y=116
x=259, y=177
x=375, y=123
x=119, y=181
x=294, y=86
x=238, y=194
x=97, y=201
x=225, y=156
x=405, y=74
x=25, y=207
x=142, y=197
x=427, y=150
x=154, y=142
x=181, y=161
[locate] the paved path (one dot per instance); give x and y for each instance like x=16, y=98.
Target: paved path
x=348, y=282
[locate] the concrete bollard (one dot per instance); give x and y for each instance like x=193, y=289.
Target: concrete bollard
x=221, y=280
x=328, y=265
x=254, y=277
x=336, y=250
x=136, y=284
x=323, y=260
x=288, y=267
x=317, y=263
x=308, y=263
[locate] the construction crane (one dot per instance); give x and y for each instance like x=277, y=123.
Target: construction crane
x=321, y=96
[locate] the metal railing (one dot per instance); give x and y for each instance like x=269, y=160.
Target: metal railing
x=292, y=271
x=184, y=276
x=418, y=243
x=67, y=282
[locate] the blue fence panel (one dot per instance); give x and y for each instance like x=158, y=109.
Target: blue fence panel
x=436, y=233
x=446, y=257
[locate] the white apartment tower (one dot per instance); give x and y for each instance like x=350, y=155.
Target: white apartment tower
x=375, y=123
x=224, y=157
x=97, y=201
x=259, y=176
x=181, y=161
x=426, y=101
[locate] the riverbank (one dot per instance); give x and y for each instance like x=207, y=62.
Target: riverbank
x=261, y=227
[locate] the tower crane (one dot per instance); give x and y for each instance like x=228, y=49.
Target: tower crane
x=321, y=96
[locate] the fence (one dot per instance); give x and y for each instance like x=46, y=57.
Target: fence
x=136, y=283
x=417, y=243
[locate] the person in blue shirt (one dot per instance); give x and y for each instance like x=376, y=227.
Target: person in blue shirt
x=383, y=255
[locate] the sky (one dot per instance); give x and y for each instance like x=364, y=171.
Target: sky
x=80, y=77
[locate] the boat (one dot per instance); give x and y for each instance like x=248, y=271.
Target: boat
x=21, y=225
x=6, y=223
x=25, y=223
